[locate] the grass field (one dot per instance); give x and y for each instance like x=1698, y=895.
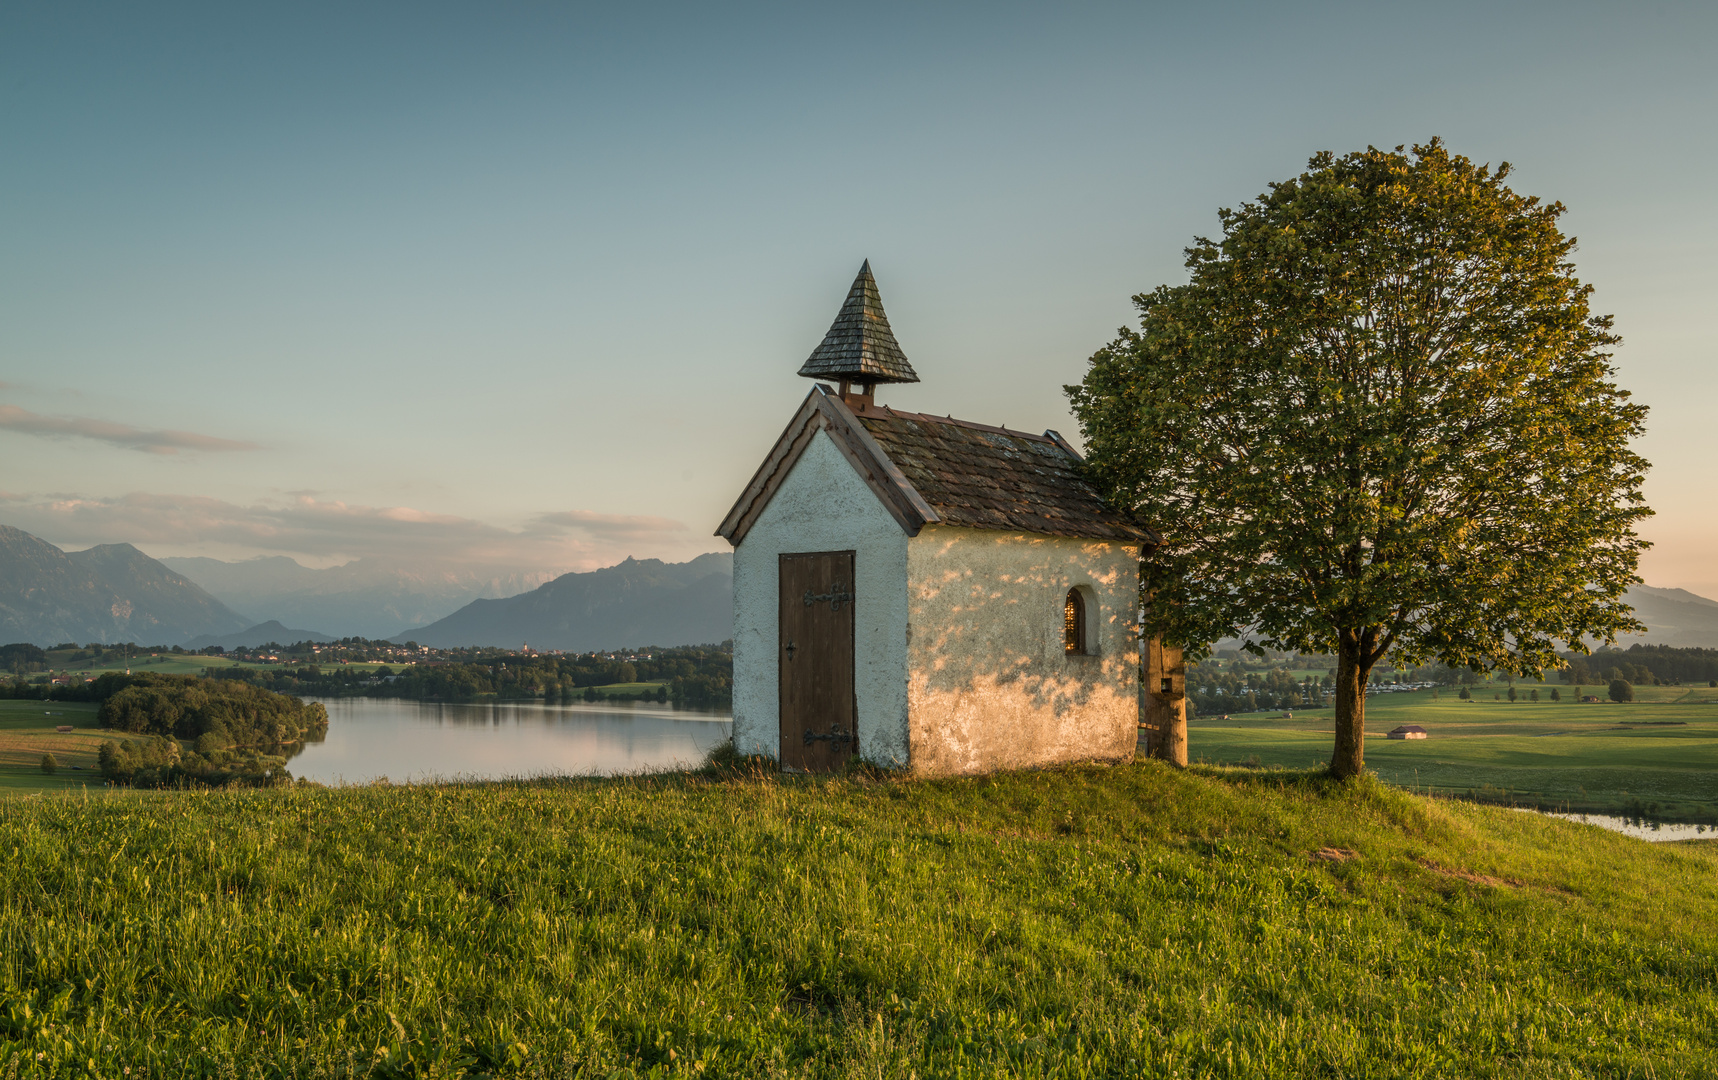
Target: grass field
x=1657, y=756
x=27, y=732
x=1089, y=922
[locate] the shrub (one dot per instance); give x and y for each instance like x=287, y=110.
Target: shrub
x=1621, y=691
x=49, y=765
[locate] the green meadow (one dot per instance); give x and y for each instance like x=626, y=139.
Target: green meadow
x=28, y=731
x=1656, y=756
x=1077, y=922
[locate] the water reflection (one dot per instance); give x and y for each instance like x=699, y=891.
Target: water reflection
x=1639, y=828
x=408, y=741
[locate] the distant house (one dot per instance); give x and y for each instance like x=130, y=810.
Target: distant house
x=1408, y=731
x=927, y=593
x=1590, y=699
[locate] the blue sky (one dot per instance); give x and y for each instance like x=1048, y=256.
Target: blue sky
x=527, y=285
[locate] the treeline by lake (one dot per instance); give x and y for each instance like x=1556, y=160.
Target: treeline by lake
x=182, y=730
x=693, y=676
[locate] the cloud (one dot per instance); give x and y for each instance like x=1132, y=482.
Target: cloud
x=13, y=418
x=609, y=526
x=327, y=531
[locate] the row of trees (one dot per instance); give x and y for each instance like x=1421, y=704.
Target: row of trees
x=695, y=676
x=1643, y=665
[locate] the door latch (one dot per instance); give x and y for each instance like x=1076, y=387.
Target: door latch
x=838, y=736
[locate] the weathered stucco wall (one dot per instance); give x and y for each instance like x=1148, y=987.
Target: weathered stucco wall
x=824, y=505
x=990, y=686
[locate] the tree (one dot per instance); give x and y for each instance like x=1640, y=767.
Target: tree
x=1556, y=695
x=49, y=764
x=1621, y=690
x=1464, y=694
x=1378, y=421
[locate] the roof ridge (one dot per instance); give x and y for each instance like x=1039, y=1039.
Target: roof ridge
x=927, y=418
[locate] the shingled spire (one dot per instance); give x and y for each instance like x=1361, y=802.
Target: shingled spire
x=860, y=347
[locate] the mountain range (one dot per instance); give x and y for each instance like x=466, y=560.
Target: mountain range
x=368, y=597
x=115, y=593
x=1674, y=617
x=111, y=593
x=271, y=632
x=638, y=602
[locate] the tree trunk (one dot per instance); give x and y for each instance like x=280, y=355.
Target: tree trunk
x=1168, y=729
x=1349, y=757
x=1165, y=678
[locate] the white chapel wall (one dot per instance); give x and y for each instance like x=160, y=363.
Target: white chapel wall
x=990, y=686
x=824, y=505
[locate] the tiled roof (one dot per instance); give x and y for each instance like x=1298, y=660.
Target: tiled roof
x=860, y=346
x=984, y=477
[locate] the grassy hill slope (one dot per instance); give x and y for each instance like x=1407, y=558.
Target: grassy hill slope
x=1128, y=921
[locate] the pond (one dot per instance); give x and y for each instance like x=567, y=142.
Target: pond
x=1639, y=828
x=414, y=741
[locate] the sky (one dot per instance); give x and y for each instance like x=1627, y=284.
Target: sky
x=527, y=285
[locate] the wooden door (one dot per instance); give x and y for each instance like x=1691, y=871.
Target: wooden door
x=818, y=718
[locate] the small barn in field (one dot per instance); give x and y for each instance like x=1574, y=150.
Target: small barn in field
x=926, y=593
x=1407, y=731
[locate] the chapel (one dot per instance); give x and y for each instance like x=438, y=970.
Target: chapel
x=926, y=593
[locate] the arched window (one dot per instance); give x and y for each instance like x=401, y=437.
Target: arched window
x=1074, y=624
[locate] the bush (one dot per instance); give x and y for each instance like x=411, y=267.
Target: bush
x=1464, y=695
x=49, y=765
x=1621, y=691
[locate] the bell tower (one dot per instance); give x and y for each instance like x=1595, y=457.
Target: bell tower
x=860, y=351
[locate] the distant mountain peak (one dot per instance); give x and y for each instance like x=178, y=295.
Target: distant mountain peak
x=108, y=593
x=633, y=603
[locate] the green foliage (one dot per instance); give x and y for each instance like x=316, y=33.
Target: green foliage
x=239, y=732
x=49, y=764
x=1134, y=921
x=695, y=676
x=1645, y=665
x=1379, y=420
x=1621, y=690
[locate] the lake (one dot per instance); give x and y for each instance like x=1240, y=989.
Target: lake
x=409, y=741
x=1639, y=828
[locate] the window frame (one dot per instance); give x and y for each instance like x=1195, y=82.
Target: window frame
x=1079, y=625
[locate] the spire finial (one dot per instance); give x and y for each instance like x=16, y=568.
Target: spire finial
x=860, y=347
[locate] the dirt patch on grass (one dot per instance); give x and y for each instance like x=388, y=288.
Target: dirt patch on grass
x=1470, y=877
x=1492, y=882
x=1335, y=855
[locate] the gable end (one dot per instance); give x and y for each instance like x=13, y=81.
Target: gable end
x=823, y=411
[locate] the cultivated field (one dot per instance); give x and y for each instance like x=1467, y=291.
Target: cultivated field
x=1656, y=756
x=27, y=731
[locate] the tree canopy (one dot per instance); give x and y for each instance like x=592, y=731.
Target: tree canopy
x=1378, y=420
